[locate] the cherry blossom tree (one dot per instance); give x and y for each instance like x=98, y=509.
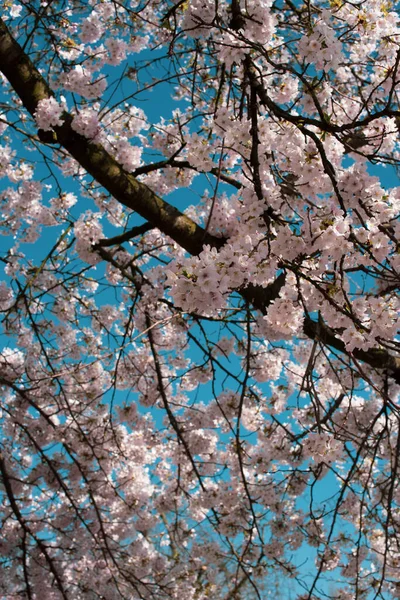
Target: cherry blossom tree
x=200, y=380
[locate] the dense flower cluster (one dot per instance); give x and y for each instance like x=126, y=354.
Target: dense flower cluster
x=48, y=114
x=87, y=123
x=197, y=399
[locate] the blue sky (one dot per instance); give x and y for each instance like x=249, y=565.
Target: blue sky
x=156, y=104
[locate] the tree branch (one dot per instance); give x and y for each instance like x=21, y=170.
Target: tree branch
x=375, y=357
x=124, y=237
x=31, y=87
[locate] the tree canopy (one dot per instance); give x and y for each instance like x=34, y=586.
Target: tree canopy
x=200, y=375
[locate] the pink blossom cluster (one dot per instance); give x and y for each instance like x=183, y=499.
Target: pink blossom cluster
x=321, y=47
x=184, y=425
x=86, y=122
x=82, y=80
x=48, y=114
x=116, y=51
x=88, y=231
x=127, y=155
x=92, y=28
